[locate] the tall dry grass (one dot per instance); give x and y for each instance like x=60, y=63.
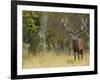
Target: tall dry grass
x=52, y=59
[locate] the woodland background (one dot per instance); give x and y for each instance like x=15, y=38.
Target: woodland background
x=45, y=30
x=46, y=38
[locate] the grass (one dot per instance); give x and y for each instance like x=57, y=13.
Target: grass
x=52, y=59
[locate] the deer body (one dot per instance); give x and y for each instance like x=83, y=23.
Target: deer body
x=77, y=43
x=78, y=47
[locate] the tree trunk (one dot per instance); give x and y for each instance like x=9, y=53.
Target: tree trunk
x=42, y=31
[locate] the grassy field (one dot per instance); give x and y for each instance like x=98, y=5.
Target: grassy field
x=51, y=59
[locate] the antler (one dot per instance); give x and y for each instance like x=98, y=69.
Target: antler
x=86, y=27
x=83, y=25
x=68, y=29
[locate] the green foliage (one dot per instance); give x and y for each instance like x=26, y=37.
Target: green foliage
x=30, y=24
x=30, y=29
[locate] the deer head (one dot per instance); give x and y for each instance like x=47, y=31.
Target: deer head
x=74, y=34
x=83, y=27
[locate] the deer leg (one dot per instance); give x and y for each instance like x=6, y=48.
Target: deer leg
x=78, y=53
x=75, y=56
x=81, y=52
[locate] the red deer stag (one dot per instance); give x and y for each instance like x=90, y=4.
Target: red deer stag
x=77, y=43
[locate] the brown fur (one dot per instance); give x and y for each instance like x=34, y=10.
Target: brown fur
x=78, y=48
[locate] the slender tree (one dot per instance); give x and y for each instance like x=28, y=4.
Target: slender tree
x=42, y=31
